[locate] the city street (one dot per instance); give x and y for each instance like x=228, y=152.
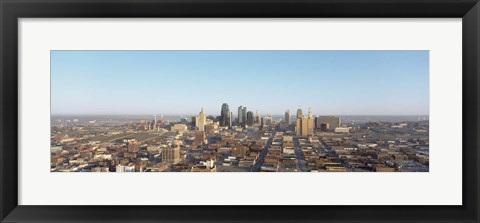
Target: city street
x=301, y=163
x=262, y=155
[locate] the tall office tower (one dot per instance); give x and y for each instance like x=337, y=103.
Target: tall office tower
x=201, y=121
x=230, y=119
x=194, y=121
x=250, y=120
x=287, y=117
x=310, y=122
x=240, y=115
x=257, y=117
x=304, y=128
x=298, y=126
x=267, y=120
x=299, y=113
x=224, y=115
x=304, y=124
x=155, y=121
x=310, y=125
x=171, y=154
x=244, y=115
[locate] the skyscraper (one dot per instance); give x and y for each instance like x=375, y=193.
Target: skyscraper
x=250, y=120
x=304, y=124
x=299, y=113
x=201, y=121
x=298, y=125
x=224, y=115
x=240, y=115
x=244, y=115
x=287, y=117
x=257, y=117
x=310, y=122
x=268, y=120
x=194, y=121
x=230, y=119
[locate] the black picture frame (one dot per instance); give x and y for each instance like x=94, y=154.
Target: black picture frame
x=12, y=10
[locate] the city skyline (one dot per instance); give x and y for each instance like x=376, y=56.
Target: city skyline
x=384, y=83
x=248, y=144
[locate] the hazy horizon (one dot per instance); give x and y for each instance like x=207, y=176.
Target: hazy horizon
x=342, y=83
x=207, y=114
x=344, y=118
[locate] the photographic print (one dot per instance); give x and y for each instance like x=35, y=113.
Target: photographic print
x=240, y=111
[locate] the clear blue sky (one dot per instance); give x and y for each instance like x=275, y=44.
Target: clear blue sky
x=182, y=82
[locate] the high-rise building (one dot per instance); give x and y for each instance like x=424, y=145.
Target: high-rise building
x=299, y=113
x=329, y=122
x=287, y=117
x=171, y=154
x=250, y=119
x=230, y=119
x=244, y=115
x=201, y=121
x=298, y=125
x=194, y=121
x=224, y=120
x=310, y=122
x=257, y=117
x=240, y=115
x=304, y=124
x=268, y=120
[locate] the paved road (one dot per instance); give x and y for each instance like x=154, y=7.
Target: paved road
x=262, y=155
x=301, y=163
